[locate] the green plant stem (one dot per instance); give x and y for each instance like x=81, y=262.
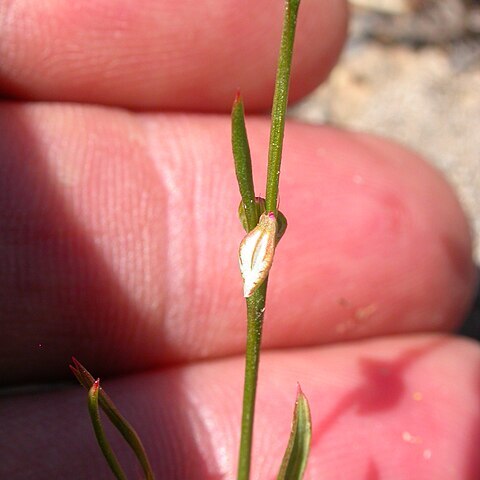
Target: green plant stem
x=279, y=107
x=256, y=303
x=255, y=309
x=241, y=152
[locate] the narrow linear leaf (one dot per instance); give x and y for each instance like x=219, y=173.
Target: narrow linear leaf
x=107, y=451
x=296, y=455
x=123, y=426
x=243, y=164
x=85, y=379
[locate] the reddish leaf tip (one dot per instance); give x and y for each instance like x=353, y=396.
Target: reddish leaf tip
x=299, y=389
x=238, y=95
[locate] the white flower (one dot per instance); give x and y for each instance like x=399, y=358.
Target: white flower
x=256, y=253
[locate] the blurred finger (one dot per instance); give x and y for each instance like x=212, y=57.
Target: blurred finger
x=119, y=240
x=148, y=54
x=385, y=408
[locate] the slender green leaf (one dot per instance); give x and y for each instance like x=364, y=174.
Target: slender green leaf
x=296, y=455
x=123, y=426
x=107, y=451
x=243, y=165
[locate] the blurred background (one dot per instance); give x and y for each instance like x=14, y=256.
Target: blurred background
x=411, y=72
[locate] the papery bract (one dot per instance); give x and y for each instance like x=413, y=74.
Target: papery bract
x=256, y=253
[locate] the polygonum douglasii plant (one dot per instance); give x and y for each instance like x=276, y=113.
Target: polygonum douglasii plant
x=265, y=226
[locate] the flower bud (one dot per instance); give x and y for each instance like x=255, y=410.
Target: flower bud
x=256, y=253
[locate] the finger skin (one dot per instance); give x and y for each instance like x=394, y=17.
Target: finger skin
x=381, y=409
x=119, y=240
x=146, y=54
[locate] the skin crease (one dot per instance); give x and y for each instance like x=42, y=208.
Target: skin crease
x=105, y=255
